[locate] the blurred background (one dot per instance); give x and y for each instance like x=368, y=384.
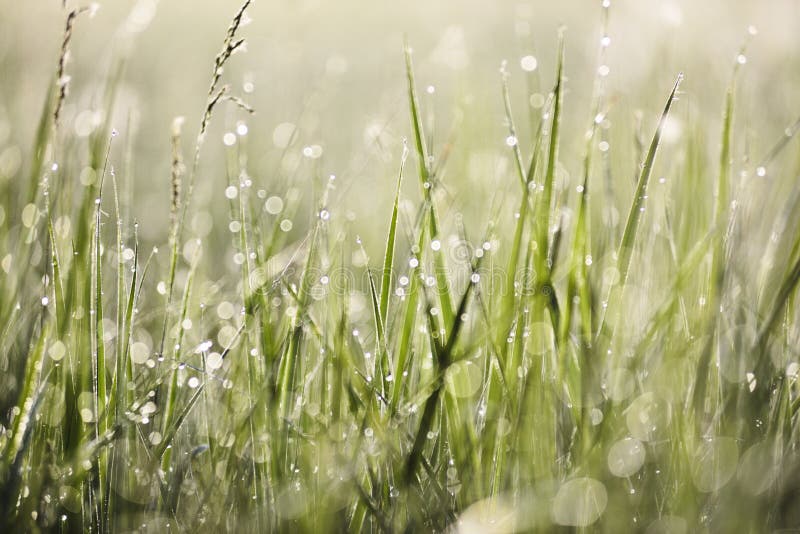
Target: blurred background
x=329, y=77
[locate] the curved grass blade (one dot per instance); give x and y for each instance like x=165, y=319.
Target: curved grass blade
x=388, y=257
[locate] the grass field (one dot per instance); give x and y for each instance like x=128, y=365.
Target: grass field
x=392, y=288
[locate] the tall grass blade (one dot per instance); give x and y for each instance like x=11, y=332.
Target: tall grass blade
x=625, y=249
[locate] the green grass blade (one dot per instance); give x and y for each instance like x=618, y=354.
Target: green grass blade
x=513, y=138
x=427, y=182
x=625, y=249
x=720, y=223
x=388, y=257
x=382, y=367
x=544, y=204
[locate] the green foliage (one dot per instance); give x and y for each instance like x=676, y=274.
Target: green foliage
x=553, y=374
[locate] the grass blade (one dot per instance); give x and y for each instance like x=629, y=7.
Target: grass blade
x=625, y=250
x=427, y=182
x=388, y=257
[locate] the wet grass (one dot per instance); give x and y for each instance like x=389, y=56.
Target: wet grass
x=555, y=372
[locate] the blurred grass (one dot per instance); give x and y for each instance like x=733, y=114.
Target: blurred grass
x=526, y=359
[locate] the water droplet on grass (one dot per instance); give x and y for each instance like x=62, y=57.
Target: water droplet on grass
x=580, y=502
x=714, y=463
x=596, y=416
x=528, y=63
x=312, y=151
x=759, y=468
x=139, y=352
x=647, y=416
x=57, y=351
x=626, y=457
x=273, y=205
x=214, y=361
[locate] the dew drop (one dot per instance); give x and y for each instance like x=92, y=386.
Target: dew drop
x=626, y=457
x=57, y=351
x=714, y=463
x=312, y=151
x=273, y=205
x=528, y=63
x=139, y=352
x=596, y=416
x=580, y=502
x=214, y=361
